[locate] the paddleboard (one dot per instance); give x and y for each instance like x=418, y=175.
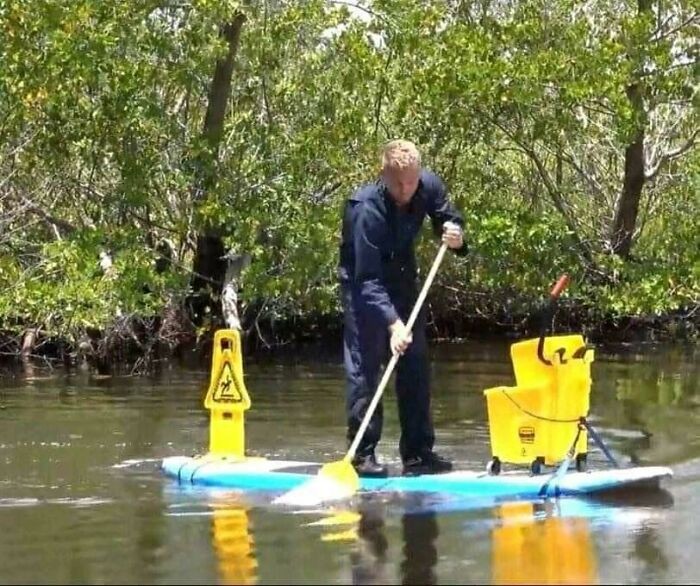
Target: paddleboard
x=259, y=474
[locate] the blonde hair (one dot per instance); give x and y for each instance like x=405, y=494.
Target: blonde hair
x=400, y=154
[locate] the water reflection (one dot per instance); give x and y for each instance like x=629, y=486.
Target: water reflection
x=368, y=560
x=543, y=542
x=420, y=556
x=531, y=544
x=234, y=543
x=392, y=540
x=369, y=557
x=648, y=403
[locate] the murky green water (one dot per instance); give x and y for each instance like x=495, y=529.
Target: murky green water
x=82, y=499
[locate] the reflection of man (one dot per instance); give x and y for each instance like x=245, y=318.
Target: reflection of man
x=419, y=551
x=379, y=289
x=369, y=559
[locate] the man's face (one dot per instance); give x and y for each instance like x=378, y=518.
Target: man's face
x=401, y=183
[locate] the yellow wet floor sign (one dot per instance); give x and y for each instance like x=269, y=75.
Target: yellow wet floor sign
x=227, y=397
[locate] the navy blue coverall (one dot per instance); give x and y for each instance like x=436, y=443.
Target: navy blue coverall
x=378, y=285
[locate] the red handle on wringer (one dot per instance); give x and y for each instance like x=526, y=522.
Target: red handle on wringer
x=559, y=286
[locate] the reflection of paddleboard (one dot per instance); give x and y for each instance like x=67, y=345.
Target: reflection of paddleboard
x=276, y=476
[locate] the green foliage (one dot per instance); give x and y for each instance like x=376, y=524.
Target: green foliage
x=67, y=292
x=522, y=107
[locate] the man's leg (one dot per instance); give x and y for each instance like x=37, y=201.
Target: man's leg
x=362, y=353
x=413, y=395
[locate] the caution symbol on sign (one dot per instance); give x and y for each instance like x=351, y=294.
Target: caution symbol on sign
x=227, y=390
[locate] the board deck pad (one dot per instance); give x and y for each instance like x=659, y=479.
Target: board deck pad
x=259, y=474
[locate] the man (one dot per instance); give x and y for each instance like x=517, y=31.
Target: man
x=379, y=289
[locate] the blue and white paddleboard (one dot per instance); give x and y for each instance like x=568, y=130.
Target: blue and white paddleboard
x=259, y=474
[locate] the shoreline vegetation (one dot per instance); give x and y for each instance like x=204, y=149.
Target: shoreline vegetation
x=139, y=346
x=146, y=149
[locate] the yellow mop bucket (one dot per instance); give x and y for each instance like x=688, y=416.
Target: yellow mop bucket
x=536, y=422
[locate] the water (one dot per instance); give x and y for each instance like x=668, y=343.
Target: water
x=82, y=499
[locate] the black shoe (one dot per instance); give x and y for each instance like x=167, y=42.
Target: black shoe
x=428, y=463
x=368, y=467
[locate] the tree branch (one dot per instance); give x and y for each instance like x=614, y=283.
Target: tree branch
x=381, y=92
x=364, y=9
x=56, y=223
x=554, y=194
x=694, y=17
x=319, y=197
x=670, y=155
x=236, y=264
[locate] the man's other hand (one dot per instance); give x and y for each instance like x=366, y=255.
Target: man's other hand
x=452, y=235
x=401, y=337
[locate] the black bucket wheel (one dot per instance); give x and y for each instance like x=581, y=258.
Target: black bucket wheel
x=536, y=465
x=493, y=468
x=581, y=462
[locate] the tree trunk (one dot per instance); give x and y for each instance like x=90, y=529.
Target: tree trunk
x=209, y=264
x=628, y=205
x=627, y=210
x=229, y=295
x=28, y=341
x=220, y=90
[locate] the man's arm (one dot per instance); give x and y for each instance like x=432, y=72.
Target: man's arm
x=370, y=231
x=441, y=210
